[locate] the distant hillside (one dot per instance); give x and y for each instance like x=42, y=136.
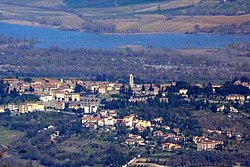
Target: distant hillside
x=216, y=7
x=131, y=16
x=106, y=3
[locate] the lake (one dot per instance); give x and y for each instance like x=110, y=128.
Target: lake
x=73, y=39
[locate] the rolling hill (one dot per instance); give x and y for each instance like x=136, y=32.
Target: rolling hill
x=131, y=16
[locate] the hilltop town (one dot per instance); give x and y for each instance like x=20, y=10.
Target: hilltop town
x=152, y=123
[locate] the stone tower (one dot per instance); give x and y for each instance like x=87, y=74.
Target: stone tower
x=131, y=80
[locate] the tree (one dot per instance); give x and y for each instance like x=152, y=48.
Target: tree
x=197, y=28
x=244, y=79
x=31, y=89
x=27, y=80
x=122, y=89
x=143, y=88
x=14, y=93
x=208, y=90
x=151, y=88
x=79, y=88
x=130, y=91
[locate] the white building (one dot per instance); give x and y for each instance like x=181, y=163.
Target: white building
x=46, y=98
x=90, y=109
x=109, y=121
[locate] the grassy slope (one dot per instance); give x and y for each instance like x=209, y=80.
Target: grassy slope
x=7, y=136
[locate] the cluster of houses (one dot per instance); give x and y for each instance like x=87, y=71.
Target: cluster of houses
x=58, y=94
x=205, y=144
x=61, y=94
x=108, y=118
x=134, y=140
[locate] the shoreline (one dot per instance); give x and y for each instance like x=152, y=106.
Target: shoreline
x=38, y=25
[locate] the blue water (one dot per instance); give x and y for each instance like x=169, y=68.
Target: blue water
x=50, y=37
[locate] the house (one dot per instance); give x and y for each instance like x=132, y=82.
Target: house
x=235, y=97
x=46, y=98
x=113, y=113
x=90, y=100
x=54, y=136
x=134, y=140
x=72, y=97
x=54, y=105
x=176, y=138
x=245, y=84
x=102, y=90
x=109, y=121
x=1, y=109
x=212, y=131
x=85, y=118
x=166, y=127
x=163, y=100
x=74, y=105
x=158, y=133
x=90, y=119
x=183, y=91
x=221, y=108
x=100, y=122
x=207, y=145
x=143, y=123
x=197, y=139
x=159, y=119
x=90, y=109
x=163, y=87
x=30, y=107
x=12, y=107
x=232, y=109
x=9, y=80
x=59, y=96
x=170, y=146
x=176, y=130
x=216, y=86
x=60, y=105
x=167, y=136
x=130, y=142
x=128, y=120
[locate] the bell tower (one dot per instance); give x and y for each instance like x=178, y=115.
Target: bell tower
x=131, y=80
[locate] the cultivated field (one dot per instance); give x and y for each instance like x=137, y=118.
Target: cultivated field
x=139, y=18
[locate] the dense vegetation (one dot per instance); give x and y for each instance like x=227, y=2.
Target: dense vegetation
x=76, y=147
x=148, y=65
x=225, y=29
